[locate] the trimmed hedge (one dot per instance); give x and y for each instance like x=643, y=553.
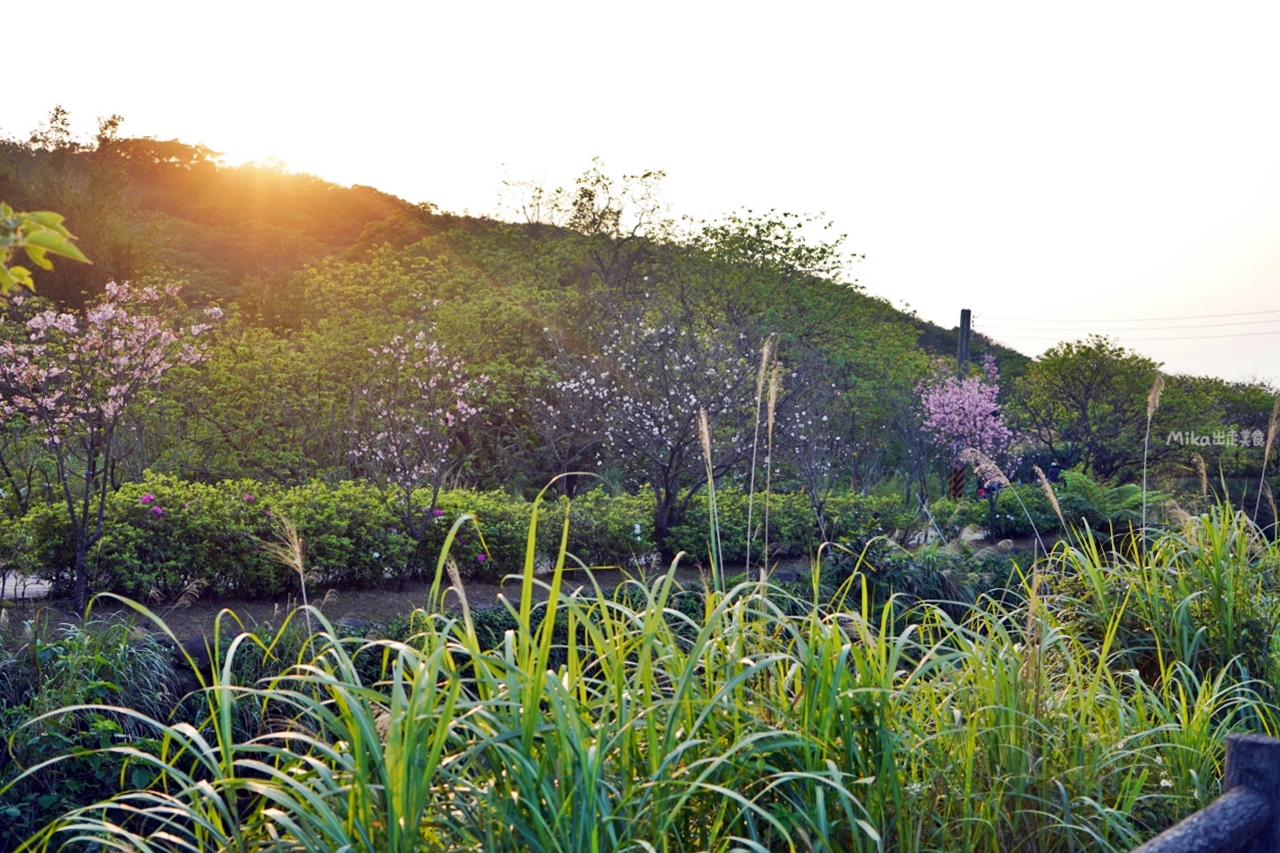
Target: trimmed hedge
x=852, y=520
x=164, y=533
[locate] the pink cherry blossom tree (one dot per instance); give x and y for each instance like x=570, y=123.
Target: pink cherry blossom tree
x=71, y=378
x=418, y=400
x=960, y=413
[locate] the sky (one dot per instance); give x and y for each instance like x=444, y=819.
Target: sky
x=1060, y=169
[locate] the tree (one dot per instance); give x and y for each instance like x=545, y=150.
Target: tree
x=54, y=170
x=1087, y=402
x=964, y=413
x=73, y=377
x=418, y=400
x=817, y=427
x=649, y=379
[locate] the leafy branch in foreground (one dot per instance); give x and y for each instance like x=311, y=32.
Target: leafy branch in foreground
x=39, y=235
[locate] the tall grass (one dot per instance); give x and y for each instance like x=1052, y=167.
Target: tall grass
x=764, y=722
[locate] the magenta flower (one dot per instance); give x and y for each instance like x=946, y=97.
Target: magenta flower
x=157, y=510
x=480, y=558
x=146, y=499
x=268, y=512
x=437, y=512
x=248, y=498
x=184, y=506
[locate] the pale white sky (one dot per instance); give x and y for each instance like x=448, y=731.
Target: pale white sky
x=1087, y=167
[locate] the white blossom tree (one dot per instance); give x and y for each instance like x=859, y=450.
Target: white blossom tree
x=648, y=380
x=418, y=399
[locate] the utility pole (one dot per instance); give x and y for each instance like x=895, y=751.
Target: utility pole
x=957, y=474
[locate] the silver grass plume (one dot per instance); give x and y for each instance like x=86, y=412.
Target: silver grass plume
x=455, y=578
x=987, y=470
x=1050, y=495
x=1153, y=403
x=1153, y=397
x=704, y=435
x=1266, y=456
x=775, y=378
x=1204, y=474
x=765, y=354
x=288, y=550
x=190, y=593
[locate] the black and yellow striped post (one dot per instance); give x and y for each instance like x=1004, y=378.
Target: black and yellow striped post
x=955, y=485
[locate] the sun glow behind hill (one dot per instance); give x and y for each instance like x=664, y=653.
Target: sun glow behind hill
x=1103, y=163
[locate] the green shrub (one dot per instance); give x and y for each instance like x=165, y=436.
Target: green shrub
x=1014, y=519
x=99, y=664
x=163, y=534
x=853, y=521
x=610, y=529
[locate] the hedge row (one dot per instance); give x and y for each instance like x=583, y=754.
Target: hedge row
x=163, y=533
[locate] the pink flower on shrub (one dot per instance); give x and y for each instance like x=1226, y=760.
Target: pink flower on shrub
x=248, y=498
x=480, y=558
x=157, y=510
x=268, y=512
x=184, y=506
x=437, y=512
x=147, y=498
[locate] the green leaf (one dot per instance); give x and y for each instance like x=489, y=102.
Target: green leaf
x=49, y=219
x=51, y=241
x=37, y=256
x=21, y=276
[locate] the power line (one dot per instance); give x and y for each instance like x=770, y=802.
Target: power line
x=1129, y=319
x=1087, y=328
x=1136, y=340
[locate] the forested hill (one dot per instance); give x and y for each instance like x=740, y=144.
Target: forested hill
x=600, y=313
x=144, y=206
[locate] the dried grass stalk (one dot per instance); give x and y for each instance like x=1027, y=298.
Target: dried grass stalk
x=190, y=593
x=987, y=470
x=704, y=435
x=1204, y=474
x=455, y=578
x=765, y=355
x=1050, y=495
x=1271, y=427
x=775, y=379
x=1153, y=397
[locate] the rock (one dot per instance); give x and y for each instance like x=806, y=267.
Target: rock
x=197, y=648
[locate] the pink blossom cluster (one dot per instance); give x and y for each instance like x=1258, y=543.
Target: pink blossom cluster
x=965, y=413
x=68, y=375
